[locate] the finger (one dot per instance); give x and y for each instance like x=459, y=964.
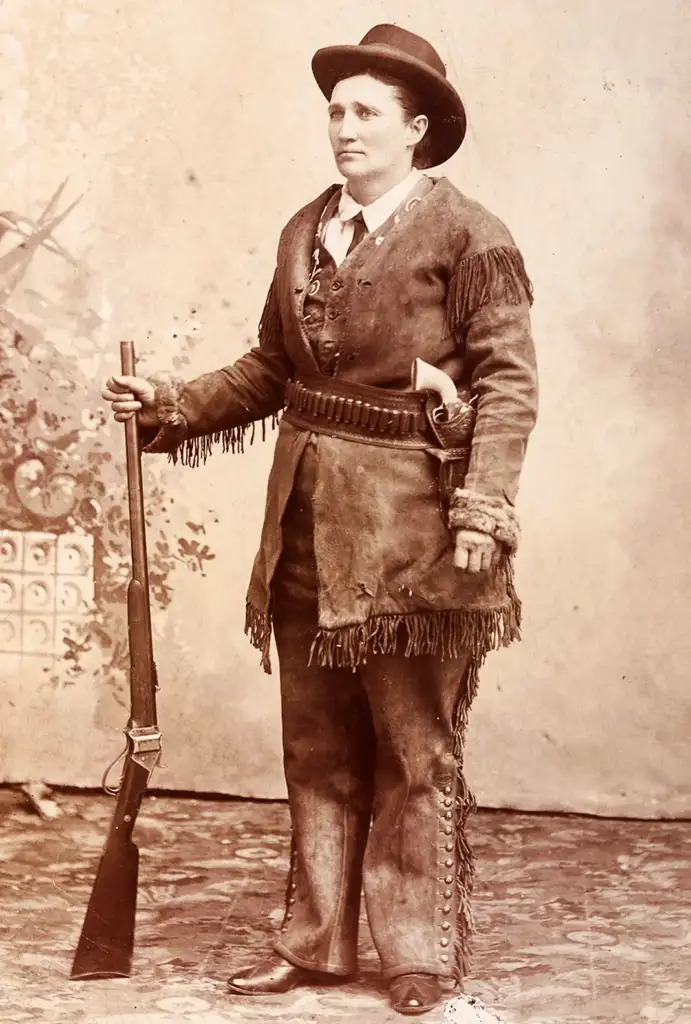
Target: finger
x=118, y=396
x=460, y=557
x=115, y=396
x=128, y=383
x=116, y=384
x=122, y=385
x=122, y=417
x=474, y=561
x=127, y=406
x=486, y=561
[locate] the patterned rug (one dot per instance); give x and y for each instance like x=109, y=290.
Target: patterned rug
x=579, y=921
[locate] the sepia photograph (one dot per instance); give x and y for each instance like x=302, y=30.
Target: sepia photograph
x=345, y=576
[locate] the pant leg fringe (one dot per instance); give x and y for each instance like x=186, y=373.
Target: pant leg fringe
x=465, y=806
x=290, y=881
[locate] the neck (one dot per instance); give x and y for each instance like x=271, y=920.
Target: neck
x=367, y=190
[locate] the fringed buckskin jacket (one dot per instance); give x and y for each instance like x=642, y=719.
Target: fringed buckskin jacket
x=441, y=280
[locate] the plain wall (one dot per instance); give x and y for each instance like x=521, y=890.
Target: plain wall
x=194, y=132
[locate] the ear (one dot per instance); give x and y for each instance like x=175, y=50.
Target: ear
x=417, y=128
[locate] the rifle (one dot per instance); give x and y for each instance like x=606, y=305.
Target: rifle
x=107, y=937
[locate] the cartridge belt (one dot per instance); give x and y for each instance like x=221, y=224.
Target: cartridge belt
x=360, y=412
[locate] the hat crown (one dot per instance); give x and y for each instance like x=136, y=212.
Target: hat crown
x=405, y=42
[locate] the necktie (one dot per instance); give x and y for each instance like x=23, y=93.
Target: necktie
x=359, y=232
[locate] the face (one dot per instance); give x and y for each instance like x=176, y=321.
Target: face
x=369, y=134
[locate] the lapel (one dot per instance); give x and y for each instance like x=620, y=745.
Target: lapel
x=296, y=263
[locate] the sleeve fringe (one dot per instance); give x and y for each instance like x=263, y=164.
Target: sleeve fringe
x=196, y=450
x=494, y=275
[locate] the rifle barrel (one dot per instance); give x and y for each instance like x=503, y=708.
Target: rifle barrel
x=143, y=699
x=135, y=487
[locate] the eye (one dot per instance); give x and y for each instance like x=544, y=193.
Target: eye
x=335, y=115
x=365, y=115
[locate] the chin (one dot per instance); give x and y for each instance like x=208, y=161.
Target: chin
x=352, y=168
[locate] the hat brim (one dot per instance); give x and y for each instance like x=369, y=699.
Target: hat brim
x=445, y=108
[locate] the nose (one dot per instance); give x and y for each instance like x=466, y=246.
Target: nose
x=348, y=128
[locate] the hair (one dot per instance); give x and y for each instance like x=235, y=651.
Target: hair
x=411, y=104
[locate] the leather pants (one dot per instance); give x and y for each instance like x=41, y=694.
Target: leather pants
x=373, y=768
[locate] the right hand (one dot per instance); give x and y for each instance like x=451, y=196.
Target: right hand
x=130, y=396
x=475, y=551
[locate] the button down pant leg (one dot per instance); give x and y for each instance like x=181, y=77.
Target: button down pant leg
x=418, y=865
x=328, y=746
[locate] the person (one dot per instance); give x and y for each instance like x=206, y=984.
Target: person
x=385, y=568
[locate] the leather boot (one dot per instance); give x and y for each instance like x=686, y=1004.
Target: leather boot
x=274, y=976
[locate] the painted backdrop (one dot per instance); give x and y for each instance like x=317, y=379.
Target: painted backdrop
x=190, y=133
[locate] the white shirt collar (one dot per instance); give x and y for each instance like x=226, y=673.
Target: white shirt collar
x=380, y=210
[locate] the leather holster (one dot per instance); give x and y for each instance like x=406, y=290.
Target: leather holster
x=455, y=437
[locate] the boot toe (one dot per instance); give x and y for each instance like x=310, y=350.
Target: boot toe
x=413, y=994
x=269, y=976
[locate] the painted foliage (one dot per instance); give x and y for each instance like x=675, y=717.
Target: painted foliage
x=62, y=468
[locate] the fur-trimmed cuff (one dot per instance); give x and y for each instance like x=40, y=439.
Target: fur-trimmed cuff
x=172, y=429
x=168, y=391
x=494, y=516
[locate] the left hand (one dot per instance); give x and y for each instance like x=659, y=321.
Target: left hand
x=475, y=552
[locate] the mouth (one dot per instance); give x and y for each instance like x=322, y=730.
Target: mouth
x=349, y=152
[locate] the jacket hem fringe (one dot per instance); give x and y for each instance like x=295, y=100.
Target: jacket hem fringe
x=450, y=634
x=258, y=628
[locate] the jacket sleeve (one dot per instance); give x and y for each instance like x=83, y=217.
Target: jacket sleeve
x=222, y=404
x=490, y=302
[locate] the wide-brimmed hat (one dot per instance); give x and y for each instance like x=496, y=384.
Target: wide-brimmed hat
x=410, y=58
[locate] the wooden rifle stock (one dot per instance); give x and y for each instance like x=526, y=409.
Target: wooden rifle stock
x=106, y=942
